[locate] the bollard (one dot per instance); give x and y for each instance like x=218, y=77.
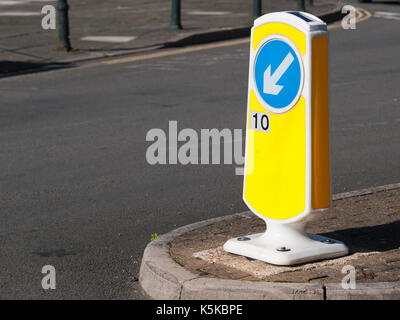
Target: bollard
x=300, y=5
x=63, y=26
x=256, y=9
x=175, y=14
x=287, y=165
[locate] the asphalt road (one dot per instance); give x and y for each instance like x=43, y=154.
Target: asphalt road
x=78, y=194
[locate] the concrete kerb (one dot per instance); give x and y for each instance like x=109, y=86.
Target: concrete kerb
x=161, y=278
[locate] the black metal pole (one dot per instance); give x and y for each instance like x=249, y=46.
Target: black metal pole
x=63, y=26
x=300, y=5
x=175, y=14
x=256, y=8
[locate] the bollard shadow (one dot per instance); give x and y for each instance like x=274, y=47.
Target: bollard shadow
x=382, y=237
x=10, y=68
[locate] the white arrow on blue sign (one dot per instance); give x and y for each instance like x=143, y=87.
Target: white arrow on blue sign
x=278, y=74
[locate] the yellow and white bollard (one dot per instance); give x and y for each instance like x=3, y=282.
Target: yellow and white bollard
x=287, y=171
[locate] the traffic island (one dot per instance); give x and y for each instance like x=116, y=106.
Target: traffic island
x=190, y=263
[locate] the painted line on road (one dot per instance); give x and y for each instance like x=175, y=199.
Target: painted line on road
x=19, y=2
x=178, y=51
x=387, y=15
x=362, y=15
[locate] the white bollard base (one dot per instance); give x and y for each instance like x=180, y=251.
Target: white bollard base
x=286, y=244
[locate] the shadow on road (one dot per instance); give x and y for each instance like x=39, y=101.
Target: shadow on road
x=382, y=237
x=8, y=68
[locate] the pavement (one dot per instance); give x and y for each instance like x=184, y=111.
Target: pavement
x=190, y=263
x=101, y=29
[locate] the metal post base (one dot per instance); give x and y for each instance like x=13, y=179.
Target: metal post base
x=286, y=244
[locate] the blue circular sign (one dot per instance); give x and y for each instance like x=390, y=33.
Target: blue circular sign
x=278, y=75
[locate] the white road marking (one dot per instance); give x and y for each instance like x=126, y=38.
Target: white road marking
x=19, y=14
x=208, y=13
x=113, y=39
x=173, y=52
x=387, y=15
x=11, y=2
x=19, y=2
